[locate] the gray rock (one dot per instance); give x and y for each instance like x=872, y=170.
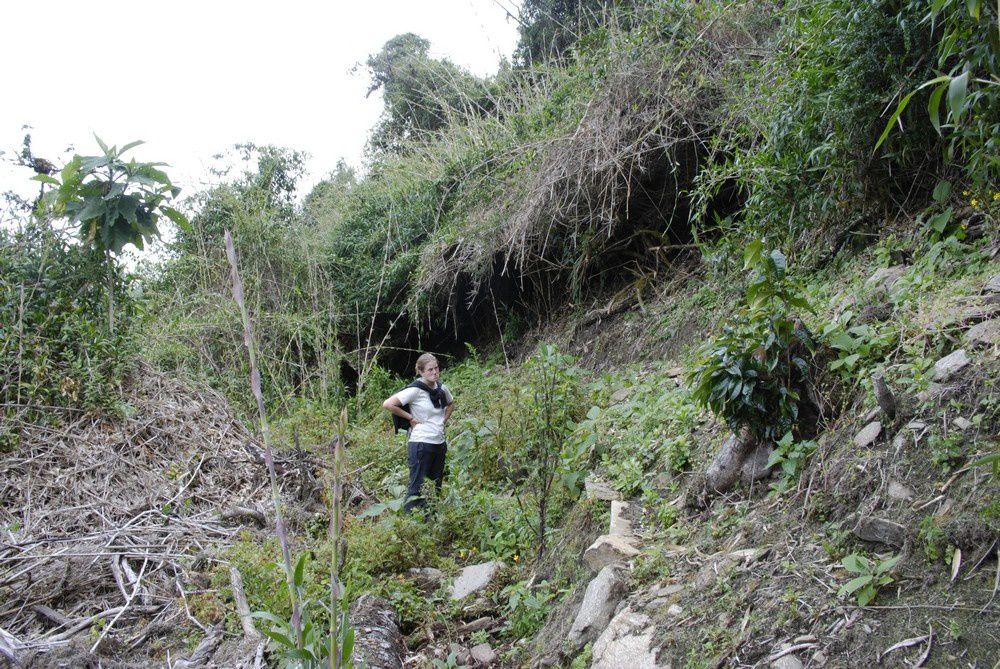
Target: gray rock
x=483, y=654
x=595, y=488
x=993, y=285
x=984, y=335
x=626, y=643
x=962, y=423
x=426, y=578
x=951, y=364
x=787, y=662
x=881, y=531
x=675, y=610
x=620, y=525
x=599, y=603
x=977, y=313
x=473, y=579
x=609, y=550
x=868, y=434
x=674, y=372
x=885, y=278
x=916, y=425
x=901, y=492
x=620, y=395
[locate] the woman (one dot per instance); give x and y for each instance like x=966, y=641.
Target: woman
x=427, y=405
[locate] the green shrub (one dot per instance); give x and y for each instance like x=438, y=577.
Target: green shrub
x=55, y=347
x=750, y=375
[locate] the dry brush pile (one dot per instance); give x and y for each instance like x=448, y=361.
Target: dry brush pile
x=604, y=197
x=109, y=526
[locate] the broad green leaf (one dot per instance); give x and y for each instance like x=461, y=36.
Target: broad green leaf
x=752, y=253
x=974, y=7
x=131, y=145
x=100, y=143
x=856, y=563
x=934, y=106
x=854, y=584
x=300, y=568
x=942, y=191
x=267, y=615
x=956, y=95
x=901, y=107
x=299, y=654
x=866, y=595
x=779, y=261
x=347, y=651
x=45, y=179
x=278, y=637
x=887, y=565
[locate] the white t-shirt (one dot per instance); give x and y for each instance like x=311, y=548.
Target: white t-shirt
x=430, y=429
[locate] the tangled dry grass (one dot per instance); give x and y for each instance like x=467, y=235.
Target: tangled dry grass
x=610, y=191
x=107, y=524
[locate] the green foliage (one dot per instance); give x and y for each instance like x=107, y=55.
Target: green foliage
x=420, y=93
x=800, y=124
x=872, y=575
x=527, y=606
x=549, y=28
x=196, y=328
x=114, y=202
x=947, y=449
x=54, y=352
x=792, y=456
x=964, y=100
x=751, y=373
x=858, y=346
x=548, y=408
x=933, y=538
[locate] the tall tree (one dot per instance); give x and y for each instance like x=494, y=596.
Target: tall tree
x=420, y=92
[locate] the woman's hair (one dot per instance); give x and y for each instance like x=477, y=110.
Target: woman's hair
x=423, y=361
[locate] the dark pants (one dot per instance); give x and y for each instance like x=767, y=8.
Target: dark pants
x=426, y=461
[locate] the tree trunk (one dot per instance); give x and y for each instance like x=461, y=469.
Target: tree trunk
x=727, y=466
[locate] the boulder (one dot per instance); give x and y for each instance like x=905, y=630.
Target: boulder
x=609, y=550
x=787, y=662
x=626, y=642
x=868, y=434
x=483, y=654
x=620, y=395
x=620, y=526
x=473, y=579
x=901, y=492
x=984, y=335
x=426, y=578
x=880, y=530
x=993, y=285
x=595, y=488
x=885, y=278
x=601, y=599
x=962, y=423
x=951, y=364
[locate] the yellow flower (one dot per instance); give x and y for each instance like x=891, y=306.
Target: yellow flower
x=974, y=202
x=965, y=193
x=996, y=196
x=516, y=558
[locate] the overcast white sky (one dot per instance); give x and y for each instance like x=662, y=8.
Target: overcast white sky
x=193, y=78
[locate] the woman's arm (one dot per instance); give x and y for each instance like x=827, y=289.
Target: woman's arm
x=447, y=411
x=394, y=406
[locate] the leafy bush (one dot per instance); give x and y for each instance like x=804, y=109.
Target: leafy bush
x=55, y=349
x=751, y=374
x=872, y=575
